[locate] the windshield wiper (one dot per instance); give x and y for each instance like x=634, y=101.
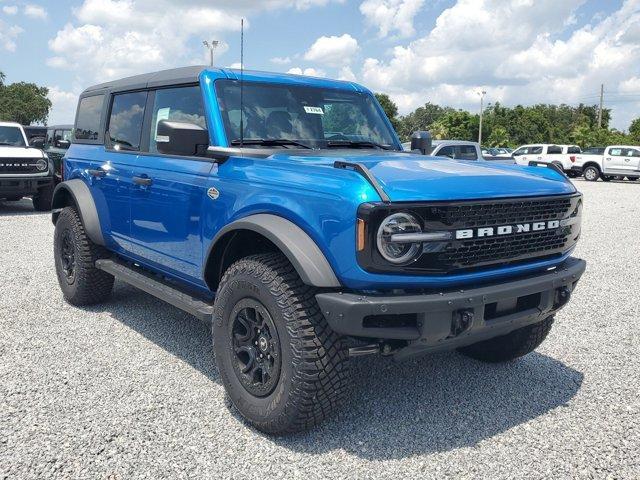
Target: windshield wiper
x=268, y=142
x=357, y=144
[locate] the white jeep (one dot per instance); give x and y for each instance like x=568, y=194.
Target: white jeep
x=24, y=170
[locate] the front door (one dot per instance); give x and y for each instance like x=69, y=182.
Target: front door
x=169, y=192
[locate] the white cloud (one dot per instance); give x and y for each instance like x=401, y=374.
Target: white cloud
x=521, y=55
x=333, y=50
x=310, y=72
x=281, y=60
x=389, y=16
x=346, y=74
x=35, y=11
x=8, y=35
x=63, y=106
x=10, y=9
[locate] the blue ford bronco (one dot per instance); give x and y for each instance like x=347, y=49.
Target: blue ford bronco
x=283, y=210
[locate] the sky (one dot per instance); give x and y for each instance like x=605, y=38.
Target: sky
x=417, y=51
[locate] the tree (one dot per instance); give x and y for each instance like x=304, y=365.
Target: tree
x=499, y=137
x=23, y=102
x=390, y=109
x=421, y=119
x=634, y=130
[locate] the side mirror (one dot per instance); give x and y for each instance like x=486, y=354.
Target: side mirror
x=63, y=144
x=179, y=138
x=421, y=141
x=37, y=142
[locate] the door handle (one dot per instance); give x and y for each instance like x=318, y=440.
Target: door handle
x=97, y=173
x=143, y=181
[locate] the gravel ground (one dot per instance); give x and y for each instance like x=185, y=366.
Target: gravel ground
x=130, y=389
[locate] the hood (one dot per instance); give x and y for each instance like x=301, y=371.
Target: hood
x=19, y=152
x=409, y=177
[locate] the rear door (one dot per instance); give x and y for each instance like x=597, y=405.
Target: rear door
x=169, y=191
x=614, y=161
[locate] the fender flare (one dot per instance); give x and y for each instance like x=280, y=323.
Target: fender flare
x=303, y=253
x=76, y=193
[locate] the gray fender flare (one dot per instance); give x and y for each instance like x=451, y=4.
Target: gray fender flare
x=76, y=193
x=303, y=253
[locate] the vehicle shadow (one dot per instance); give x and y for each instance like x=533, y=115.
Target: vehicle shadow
x=436, y=403
x=19, y=208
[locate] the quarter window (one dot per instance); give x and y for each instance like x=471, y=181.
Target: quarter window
x=182, y=104
x=88, y=119
x=125, y=121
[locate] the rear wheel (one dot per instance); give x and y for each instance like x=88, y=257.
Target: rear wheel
x=510, y=346
x=282, y=366
x=591, y=174
x=75, y=257
x=42, y=200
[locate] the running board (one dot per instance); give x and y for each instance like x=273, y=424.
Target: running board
x=153, y=285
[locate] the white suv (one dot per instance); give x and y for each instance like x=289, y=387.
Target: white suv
x=24, y=171
x=564, y=156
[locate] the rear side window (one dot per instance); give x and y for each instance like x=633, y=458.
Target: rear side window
x=125, y=121
x=88, y=119
x=535, y=150
x=181, y=104
x=467, y=152
x=634, y=153
x=574, y=149
x=554, y=149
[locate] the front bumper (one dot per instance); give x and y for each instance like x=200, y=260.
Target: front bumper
x=451, y=319
x=25, y=185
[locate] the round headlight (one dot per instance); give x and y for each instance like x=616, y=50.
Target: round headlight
x=42, y=165
x=398, y=252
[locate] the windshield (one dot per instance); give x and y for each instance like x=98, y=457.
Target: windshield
x=11, y=136
x=306, y=117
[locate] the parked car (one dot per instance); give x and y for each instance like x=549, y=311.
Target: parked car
x=616, y=161
x=302, y=246
x=56, y=144
x=460, y=150
x=563, y=156
x=24, y=170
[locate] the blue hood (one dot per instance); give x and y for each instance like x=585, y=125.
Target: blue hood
x=409, y=177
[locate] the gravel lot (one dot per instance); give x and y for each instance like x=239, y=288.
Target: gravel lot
x=130, y=389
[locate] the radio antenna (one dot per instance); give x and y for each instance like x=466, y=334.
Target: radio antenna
x=241, y=82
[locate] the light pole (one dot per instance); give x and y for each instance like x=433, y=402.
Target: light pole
x=481, y=93
x=211, y=46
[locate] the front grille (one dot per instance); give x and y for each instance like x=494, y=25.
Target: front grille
x=18, y=166
x=479, y=252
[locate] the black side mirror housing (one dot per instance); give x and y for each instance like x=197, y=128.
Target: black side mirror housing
x=179, y=138
x=37, y=142
x=421, y=141
x=63, y=144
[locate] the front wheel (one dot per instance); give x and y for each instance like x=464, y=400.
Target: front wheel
x=282, y=366
x=591, y=174
x=510, y=346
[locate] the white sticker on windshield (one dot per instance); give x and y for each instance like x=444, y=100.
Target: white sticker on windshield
x=163, y=114
x=314, y=110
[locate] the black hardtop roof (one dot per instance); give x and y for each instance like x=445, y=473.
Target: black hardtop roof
x=155, y=79
x=60, y=126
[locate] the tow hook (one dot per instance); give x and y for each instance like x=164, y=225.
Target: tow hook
x=461, y=322
x=562, y=297
x=383, y=348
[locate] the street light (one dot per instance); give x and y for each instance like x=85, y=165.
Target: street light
x=481, y=93
x=211, y=46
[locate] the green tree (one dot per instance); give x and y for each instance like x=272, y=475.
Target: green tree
x=421, y=119
x=634, y=131
x=499, y=137
x=390, y=109
x=23, y=102
x=456, y=125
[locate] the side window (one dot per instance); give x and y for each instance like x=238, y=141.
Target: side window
x=634, y=153
x=616, y=152
x=553, y=149
x=125, y=121
x=467, y=152
x=181, y=104
x=520, y=151
x=446, y=152
x=537, y=150
x=50, y=137
x=88, y=118
x=574, y=149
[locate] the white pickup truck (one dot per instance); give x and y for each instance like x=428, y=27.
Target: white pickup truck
x=563, y=156
x=616, y=161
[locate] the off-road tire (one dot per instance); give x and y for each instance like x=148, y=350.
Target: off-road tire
x=511, y=346
x=42, y=200
x=313, y=369
x=589, y=175
x=88, y=285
